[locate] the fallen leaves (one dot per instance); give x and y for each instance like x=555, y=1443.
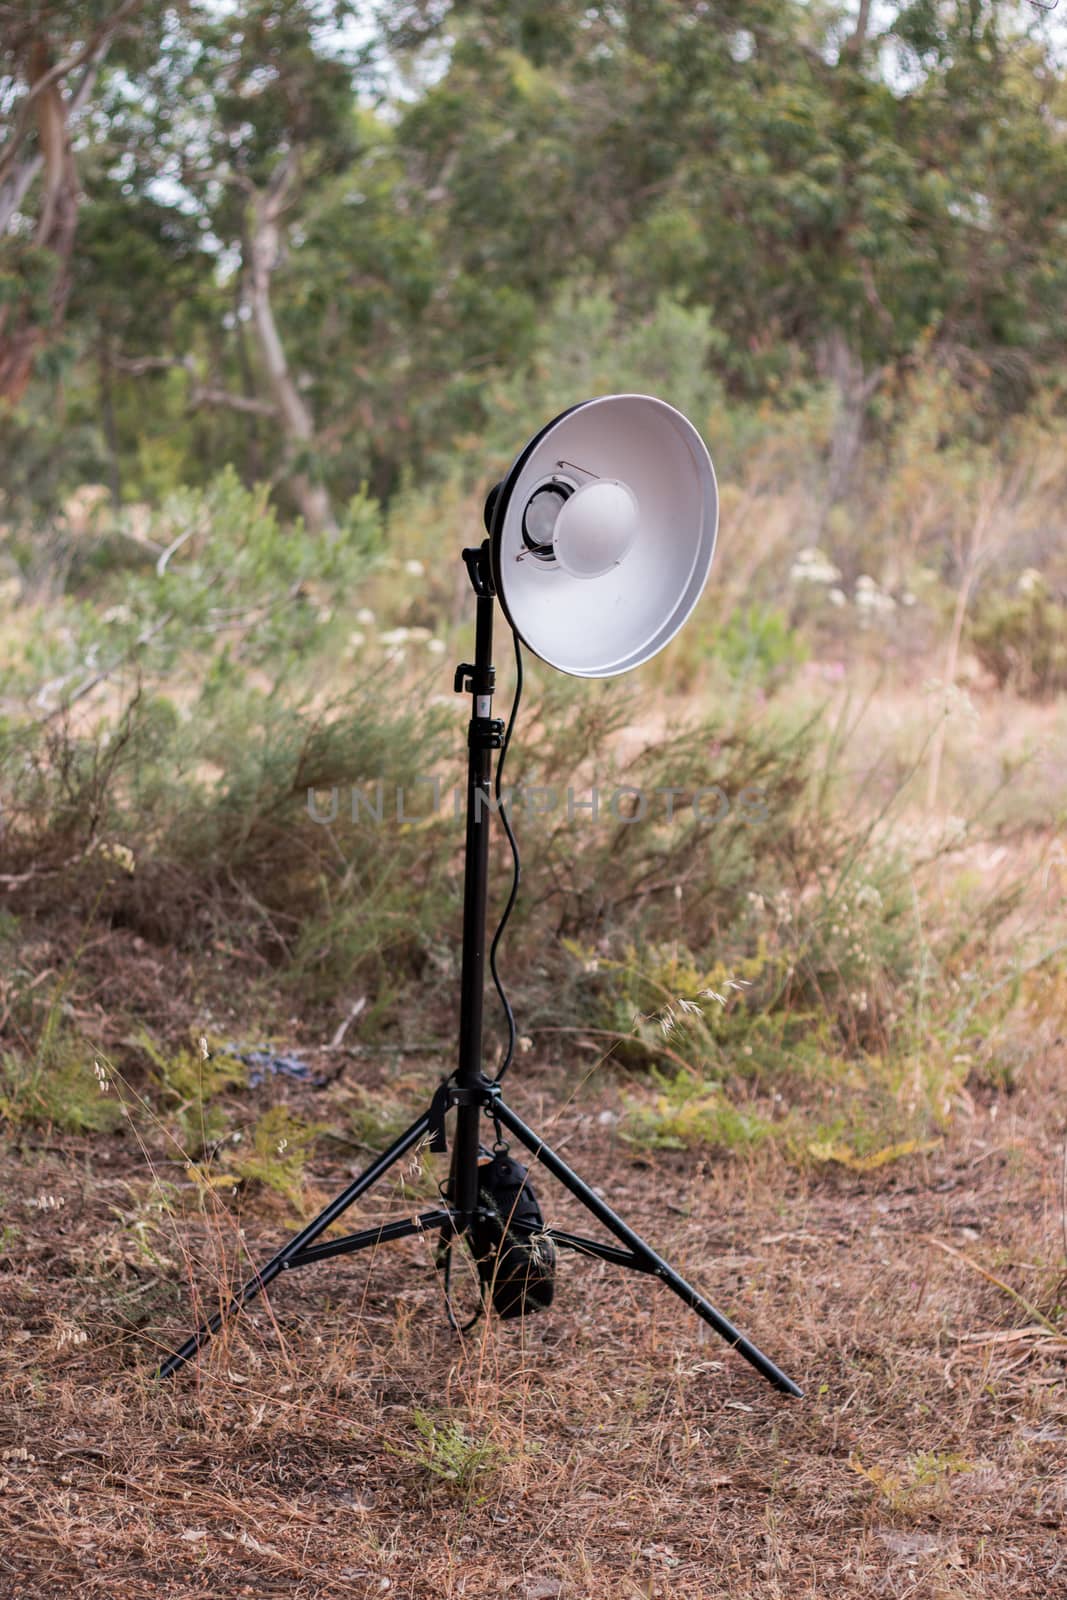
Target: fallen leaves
x=826, y=1151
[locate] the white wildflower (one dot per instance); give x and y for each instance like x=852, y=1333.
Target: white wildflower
x=813, y=566
x=870, y=597
x=955, y=829
x=120, y=854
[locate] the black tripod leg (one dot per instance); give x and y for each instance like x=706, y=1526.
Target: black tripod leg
x=650, y=1261
x=299, y=1242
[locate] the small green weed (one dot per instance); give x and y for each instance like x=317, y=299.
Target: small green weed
x=923, y=1486
x=688, y=1112
x=277, y=1154
x=58, y=1087
x=193, y=1073
x=190, y=1079
x=444, y=1450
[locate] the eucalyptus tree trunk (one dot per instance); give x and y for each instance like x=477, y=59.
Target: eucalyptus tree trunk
x=263, y=252
x=23, y=325
x=38, y=146
x=853, y=389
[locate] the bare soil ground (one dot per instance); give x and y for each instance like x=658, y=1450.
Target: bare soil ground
x=609, y=1449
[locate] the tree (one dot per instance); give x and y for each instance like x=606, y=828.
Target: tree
x=242, y=112
x=51, y=58
x=266, y=269
x=769, y=160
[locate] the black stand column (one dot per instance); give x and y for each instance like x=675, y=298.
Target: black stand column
x=484, y=736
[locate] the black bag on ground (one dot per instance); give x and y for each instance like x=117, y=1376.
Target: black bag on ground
x=516, y=1260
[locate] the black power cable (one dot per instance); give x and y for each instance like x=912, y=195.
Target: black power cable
x=506, y=820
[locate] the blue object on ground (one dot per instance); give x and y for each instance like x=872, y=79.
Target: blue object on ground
x=263, y=1062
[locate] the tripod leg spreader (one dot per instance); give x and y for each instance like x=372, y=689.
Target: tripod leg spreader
x=637, y=1256
x=299, y=1251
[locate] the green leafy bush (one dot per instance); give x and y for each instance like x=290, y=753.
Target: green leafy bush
x=685, y=1111
x=276, y=1154
x=62, y=1085
x=1022, y=640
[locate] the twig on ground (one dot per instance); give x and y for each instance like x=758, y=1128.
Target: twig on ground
x=1011, y=1335
x=991, y=1277
x=353, y=1012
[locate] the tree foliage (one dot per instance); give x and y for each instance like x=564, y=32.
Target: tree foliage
x=312, y=239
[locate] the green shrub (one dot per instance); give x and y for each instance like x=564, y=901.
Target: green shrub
x=688, y=1111
x=759, y=646
x=1022, y=640
x=62, y=1085
x=276, y=1154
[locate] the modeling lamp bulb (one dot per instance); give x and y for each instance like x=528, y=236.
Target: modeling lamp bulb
x=595, y=528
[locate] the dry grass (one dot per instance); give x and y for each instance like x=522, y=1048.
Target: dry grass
x=341, y=1441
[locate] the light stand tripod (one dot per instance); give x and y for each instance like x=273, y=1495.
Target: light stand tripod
x=468, y=1089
